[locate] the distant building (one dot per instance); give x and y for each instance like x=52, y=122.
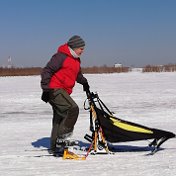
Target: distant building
x=118, y=65
x=9, y=62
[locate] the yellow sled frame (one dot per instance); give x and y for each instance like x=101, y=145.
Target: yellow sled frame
x=98, y=134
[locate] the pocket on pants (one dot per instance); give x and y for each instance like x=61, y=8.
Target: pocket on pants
x=60, y=101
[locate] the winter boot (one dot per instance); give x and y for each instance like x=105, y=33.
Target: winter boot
x=60, y=147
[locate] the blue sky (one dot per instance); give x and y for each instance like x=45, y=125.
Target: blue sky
x=131, y=32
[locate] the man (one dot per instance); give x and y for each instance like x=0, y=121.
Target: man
x=57, y=81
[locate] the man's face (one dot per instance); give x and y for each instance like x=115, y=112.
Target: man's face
x=79, y=51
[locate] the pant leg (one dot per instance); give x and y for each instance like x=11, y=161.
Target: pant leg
x=66, y=109
x=54, y=132
x=67, y=124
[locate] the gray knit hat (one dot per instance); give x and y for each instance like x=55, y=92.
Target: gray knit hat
x=76, y=42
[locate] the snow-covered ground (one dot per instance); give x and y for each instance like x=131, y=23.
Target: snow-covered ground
x=25, y=124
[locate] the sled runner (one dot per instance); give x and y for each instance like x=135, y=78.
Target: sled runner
x=107, y=128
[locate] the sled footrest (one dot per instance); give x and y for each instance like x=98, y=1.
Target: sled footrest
x=71, y=155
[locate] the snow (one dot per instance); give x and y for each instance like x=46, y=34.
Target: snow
x=25, y=124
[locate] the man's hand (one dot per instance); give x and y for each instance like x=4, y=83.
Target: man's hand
x=86, y=86
x=45, y=96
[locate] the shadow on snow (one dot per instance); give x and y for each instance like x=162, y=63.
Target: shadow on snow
x=42, y=142
x=45, y=143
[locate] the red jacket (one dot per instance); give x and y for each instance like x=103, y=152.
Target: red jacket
x=62, y=71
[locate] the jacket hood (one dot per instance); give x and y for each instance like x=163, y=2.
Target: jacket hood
x=64, y=49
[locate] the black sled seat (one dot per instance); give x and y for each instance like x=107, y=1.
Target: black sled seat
x=113, y=129
x=118, y=130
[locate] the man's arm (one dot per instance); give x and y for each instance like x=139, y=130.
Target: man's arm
x=52, y=67
x=80, y=78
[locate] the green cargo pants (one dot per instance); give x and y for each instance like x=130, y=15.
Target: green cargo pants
x=65, y=114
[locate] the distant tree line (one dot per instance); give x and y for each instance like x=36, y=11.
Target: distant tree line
x=105, y=69
x=37, y=70
x=20, y=71
x=89, y=70
x=160, y=68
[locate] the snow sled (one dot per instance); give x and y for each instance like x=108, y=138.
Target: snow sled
x=107, y=128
